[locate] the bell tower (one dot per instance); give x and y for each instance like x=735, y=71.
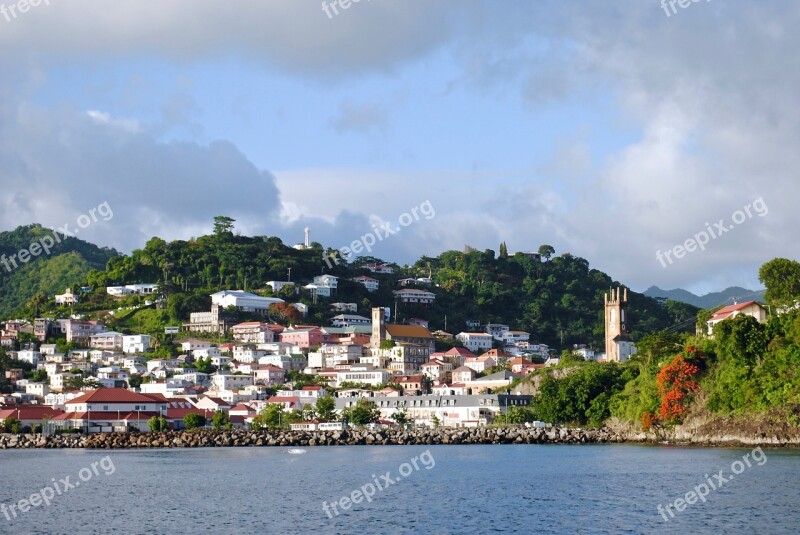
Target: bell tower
x=378, y=327
x=616, y=305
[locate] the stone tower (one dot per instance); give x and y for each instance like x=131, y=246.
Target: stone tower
x=617, y=338
x=378, y=327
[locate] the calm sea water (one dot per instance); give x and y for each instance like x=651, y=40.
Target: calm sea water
x=453, y=489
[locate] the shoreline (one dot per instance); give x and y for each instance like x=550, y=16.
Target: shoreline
x=209, y=438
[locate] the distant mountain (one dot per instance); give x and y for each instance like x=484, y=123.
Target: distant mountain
x=67, y=263
x=711, y=300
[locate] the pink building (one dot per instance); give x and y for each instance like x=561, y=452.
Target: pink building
x=305, y=337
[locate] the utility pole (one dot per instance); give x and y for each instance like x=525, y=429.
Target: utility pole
x=290, y=275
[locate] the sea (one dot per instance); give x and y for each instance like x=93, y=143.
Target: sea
x=367, y=490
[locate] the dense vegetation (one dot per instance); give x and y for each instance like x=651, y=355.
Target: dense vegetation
x=68, y=264
x=747, y=367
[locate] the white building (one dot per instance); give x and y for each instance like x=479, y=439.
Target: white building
x=137, y=343
x=475, y=342
x=413, y=296
x=278, y=285
x=243, y=301
x=348, y=320
x=67, y=298
x=30, y=356
x=369, y=283
x=362, y=374
x=229, y=381
x=132, y=289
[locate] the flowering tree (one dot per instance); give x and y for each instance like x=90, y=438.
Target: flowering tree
x=676, y=383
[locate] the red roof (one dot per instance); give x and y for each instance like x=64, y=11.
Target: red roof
x=115, y=395
x=311, y=388
x=28, y=412
x=724, y=312
x=460, y=351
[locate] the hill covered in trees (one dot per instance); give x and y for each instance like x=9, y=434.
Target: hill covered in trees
x=67, y=264
x=559, y=299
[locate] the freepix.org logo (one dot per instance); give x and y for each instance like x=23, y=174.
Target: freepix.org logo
x=47, y=242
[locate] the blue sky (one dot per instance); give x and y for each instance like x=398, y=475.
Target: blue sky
x=609, y=130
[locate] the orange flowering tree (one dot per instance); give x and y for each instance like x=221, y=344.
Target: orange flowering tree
x=676, y=383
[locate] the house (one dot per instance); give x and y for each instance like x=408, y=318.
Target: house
x=288, y=403
x=344, y=307
x=302, y=308
x=491, y=382
x=212, y=404
x=369, y=283
x=348, y=320
x=277, y=286
x=191, y=345
x=497, y=330
x=454, y=389
x=463, y=374
x=437, y=370
x=480, y=364
x=457, y=356
x=323, y=285
x=217, y=320
x=475, y=342
x=110, y=340
x=521, y=365
x=304, y=338
x=48, y=349
x=136, y=343
x=243, y=301
x=412, y=296
x=442, y=335
x=30, y=356
x=382, y=269
x=67, y=298
x=29, y=415
x=132, y=289
x=268, y=374
x=515, y=338
x=229, y=381
x=81, y=331
x=748, y=308
x=409, y=383
x=419, y=322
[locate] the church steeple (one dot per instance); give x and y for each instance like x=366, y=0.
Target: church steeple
x=616, y=319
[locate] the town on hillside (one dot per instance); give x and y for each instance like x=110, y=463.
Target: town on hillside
x=75, y=375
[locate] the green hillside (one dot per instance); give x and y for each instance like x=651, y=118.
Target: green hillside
x=68, y=264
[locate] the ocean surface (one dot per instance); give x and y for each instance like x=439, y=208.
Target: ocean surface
x=412, y=489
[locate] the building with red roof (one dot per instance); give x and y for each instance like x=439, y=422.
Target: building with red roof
x=748, y=308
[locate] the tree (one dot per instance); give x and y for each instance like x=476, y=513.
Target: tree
x=325, y=408
x=546, y=251
x=135, y=380
x=401, y=417
x=364, y=412
x=11, y=425
x=272, y=417
x=194, y=420
x=503, y=250
x=285, y=313
x=220, y=420
x=158, y=424
x=781, y=277
x=204, y=365
x=223, y=225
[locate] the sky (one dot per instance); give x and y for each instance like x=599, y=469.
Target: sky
x=615, y=131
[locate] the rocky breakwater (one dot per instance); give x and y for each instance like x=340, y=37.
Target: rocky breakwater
x=206, y=438
x=11, y=441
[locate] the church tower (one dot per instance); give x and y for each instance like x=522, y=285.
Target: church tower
x=617, y=338
x=378, y=327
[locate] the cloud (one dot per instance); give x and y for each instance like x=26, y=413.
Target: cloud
x=360, y=118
